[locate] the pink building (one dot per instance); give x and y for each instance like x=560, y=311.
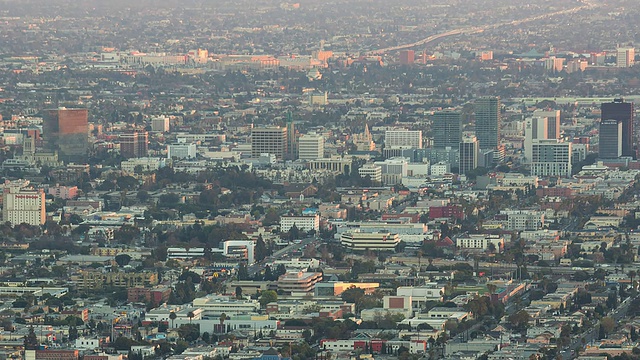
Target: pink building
x=64, y=192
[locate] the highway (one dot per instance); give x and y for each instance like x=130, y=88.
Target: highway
x=474, y=30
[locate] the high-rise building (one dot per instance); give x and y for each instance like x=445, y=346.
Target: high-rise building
x=610, y=146
x=403, y=138
x=551, y=157
x=553, y=122
x=625, y=56
x=447, y=129
x=469, y=150
x=311, y=147
x=66, y=131
x=407, y=57
x=269, y=140
x=134, y=144
x=23, y=206
x=621, y=111
x=160, y=124
x=487, y=111
x=535, y=128
x=292, y=140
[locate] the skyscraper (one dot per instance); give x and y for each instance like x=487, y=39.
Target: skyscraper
x=487, y=111
x=536, y=128
x=469, y=151
x=66, y=131
x=269, y=140
x=447, y=129
x=610, y=139
x=621, y=111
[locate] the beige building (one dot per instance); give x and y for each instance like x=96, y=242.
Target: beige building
x=23, y=206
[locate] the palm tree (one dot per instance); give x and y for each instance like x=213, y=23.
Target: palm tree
x=632, y=274
x=172, y=316
x=223, y=317
x=190, y=315
x=492, y=288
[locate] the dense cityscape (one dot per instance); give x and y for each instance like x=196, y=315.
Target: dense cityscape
x=264, y=180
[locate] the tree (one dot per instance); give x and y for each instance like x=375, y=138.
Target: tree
x=238, y=292
x=268, y=296
x=519, y=320
x=122, y=259
x=190, y=315
x=607, y=324
x=31, y=340
x=172, y=316
x=243, y=273
x=73, y=333
x=352, y=295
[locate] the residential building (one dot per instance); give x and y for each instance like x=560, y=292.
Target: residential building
x=140, y=165
x=487, y=110
x=551, y=157
x=23, y=206
x=403, y=138
x=553, y=122
x=160, y=124
x=407, y=57
x=469, y=150
x=625, y=57
x=134, y=144
x=96, y=279
x=536, y=128
x=64, y=192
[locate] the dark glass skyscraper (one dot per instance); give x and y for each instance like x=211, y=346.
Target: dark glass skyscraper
x=487, y=111
x=447, y=129
x=66, y=131
x=623, y=112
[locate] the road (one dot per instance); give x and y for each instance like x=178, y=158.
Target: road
x=474, y=30
x=253, y=269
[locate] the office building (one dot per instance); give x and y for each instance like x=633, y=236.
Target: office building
x=551, y=157
x=621, y=111
x=66, y=131
x=469, y=150
x=383, y=241
x=269, y=140
x=447, y=129
x=625, y=57
x=298, y=283
x=292, y=141
x=403, y=138
x=487, y=112
x=610, y=139
x=407, y=57
x=553, y=122
x=181, y=151
x=134, y=144
x=535, y=128
x=311, y=147
x=303, y=223
x=373, y=171
x=23, y=206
